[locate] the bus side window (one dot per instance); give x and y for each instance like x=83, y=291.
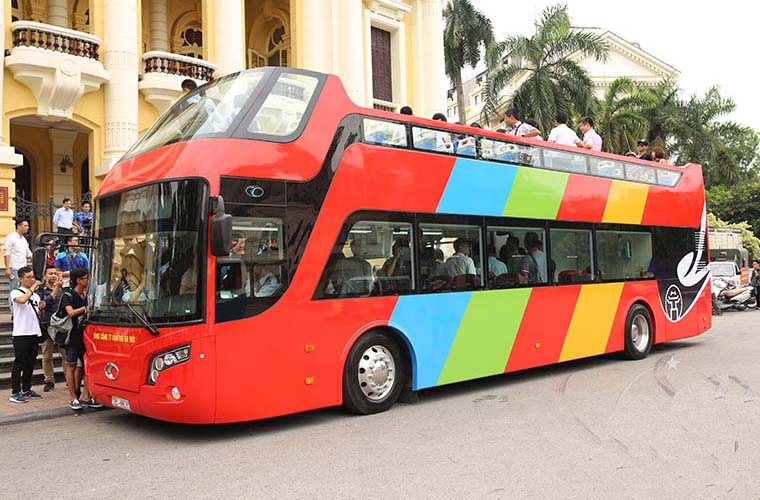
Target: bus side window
x=370, y=258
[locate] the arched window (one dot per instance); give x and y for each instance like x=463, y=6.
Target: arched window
x=270, y=42
x=192, y=42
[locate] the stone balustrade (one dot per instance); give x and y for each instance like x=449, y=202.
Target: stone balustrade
x=178, y=65
x=55, y=38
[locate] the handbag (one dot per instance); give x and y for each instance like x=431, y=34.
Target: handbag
x=60, y=327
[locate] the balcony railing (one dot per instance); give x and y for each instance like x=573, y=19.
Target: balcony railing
x=55, y=38
x=385, y=105
x=178, y=65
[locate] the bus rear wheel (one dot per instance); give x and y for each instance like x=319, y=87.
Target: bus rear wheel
x=638, y=332
x=374, y=375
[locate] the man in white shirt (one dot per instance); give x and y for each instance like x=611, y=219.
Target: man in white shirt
x=518, y=128
x=64, y=218
x=591, y=140
x=460, y=263
x=561, y=133
x=16, y=251
x=26, y=330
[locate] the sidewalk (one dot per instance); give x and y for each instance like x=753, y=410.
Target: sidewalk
x=51, y=405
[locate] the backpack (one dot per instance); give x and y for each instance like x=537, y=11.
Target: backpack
x=60, y=327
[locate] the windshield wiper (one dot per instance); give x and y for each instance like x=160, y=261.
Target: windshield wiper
x=140, y=316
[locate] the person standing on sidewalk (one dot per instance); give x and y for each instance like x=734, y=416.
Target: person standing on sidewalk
x=74, y=303
x=26, y=331
x=16, y=251
x=50, y=294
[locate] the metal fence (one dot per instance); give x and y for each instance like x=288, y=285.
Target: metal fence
x=40, y=215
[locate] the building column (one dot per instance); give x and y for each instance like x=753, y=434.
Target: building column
x=9, y=159
x=120, y=59
x=432, y=80
x=317, y=35
x=229, y=31
x=58, y=13
x=159, y=27
x=349, y=49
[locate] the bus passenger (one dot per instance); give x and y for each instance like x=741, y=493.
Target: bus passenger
x=561, y=133
x=510, y=255
x=534, y=263
x=406, y=110
x=352, y=275
x=517, y=127
x=400, y=264
x=461, y=262
x=495, y=266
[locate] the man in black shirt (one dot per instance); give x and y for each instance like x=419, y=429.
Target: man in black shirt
x=74, y=303
x=644, y=152
x=50, y=293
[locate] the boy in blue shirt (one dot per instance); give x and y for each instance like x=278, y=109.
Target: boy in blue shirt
x=71, y=258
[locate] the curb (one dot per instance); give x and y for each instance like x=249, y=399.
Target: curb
x=33, y=416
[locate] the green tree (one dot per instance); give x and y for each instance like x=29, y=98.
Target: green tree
x=726, y=150
x=466, y=30
x=736, y=203
x=663, y=115
x=617, y=115
x=550, y=80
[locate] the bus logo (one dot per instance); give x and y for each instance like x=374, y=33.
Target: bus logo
x=111, y=371
x=254, y=191
x=673, y=303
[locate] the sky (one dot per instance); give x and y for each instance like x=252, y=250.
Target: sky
x=709, y=43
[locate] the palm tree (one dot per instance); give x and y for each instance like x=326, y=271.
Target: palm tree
x=550, y=80
x=617, y=115
x=664, y=113
x=465, y=31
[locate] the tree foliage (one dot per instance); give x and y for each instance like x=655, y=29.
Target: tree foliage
x=549, y=79
x=466, y=31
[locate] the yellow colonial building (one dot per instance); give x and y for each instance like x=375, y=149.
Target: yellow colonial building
x=84, y=78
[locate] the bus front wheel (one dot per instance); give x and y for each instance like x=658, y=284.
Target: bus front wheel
x=374, y=375
x=638, y=332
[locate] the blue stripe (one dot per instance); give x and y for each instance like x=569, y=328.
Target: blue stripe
x=430, y=324
x=477, y=188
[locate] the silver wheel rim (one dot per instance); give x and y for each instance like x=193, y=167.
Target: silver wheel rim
x=639, y=332
x=376, y=373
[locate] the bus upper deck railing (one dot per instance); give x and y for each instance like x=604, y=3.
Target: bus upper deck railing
x=468, y=145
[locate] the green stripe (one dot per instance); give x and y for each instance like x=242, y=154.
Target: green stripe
x=485, y=336
x=536, y=194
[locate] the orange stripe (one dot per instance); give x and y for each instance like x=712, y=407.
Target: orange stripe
x=592, y=321
x=625, y=203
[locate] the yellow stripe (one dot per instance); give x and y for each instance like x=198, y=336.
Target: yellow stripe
x=592, y=321
x=625, y=203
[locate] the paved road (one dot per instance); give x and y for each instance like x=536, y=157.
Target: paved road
x=681, y=424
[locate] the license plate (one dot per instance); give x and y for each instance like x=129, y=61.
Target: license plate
x=120, y=403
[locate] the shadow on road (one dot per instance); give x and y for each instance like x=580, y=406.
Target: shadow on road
x=171, y=432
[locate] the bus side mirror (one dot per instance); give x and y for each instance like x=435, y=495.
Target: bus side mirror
x=39, y=263
x=221, y=229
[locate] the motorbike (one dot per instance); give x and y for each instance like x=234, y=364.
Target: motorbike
x=729, y=296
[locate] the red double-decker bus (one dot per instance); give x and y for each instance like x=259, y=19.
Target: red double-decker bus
x=268, y=248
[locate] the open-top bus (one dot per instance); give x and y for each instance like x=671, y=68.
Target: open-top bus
x=268, y=247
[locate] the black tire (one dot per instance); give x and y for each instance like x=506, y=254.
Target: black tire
x=639, y=332
x=373, y=347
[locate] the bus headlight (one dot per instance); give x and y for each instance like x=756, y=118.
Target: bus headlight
x=167, y=359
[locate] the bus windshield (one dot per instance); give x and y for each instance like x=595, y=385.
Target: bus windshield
x=212, y=110
x=147, y=254
x=208, y=111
